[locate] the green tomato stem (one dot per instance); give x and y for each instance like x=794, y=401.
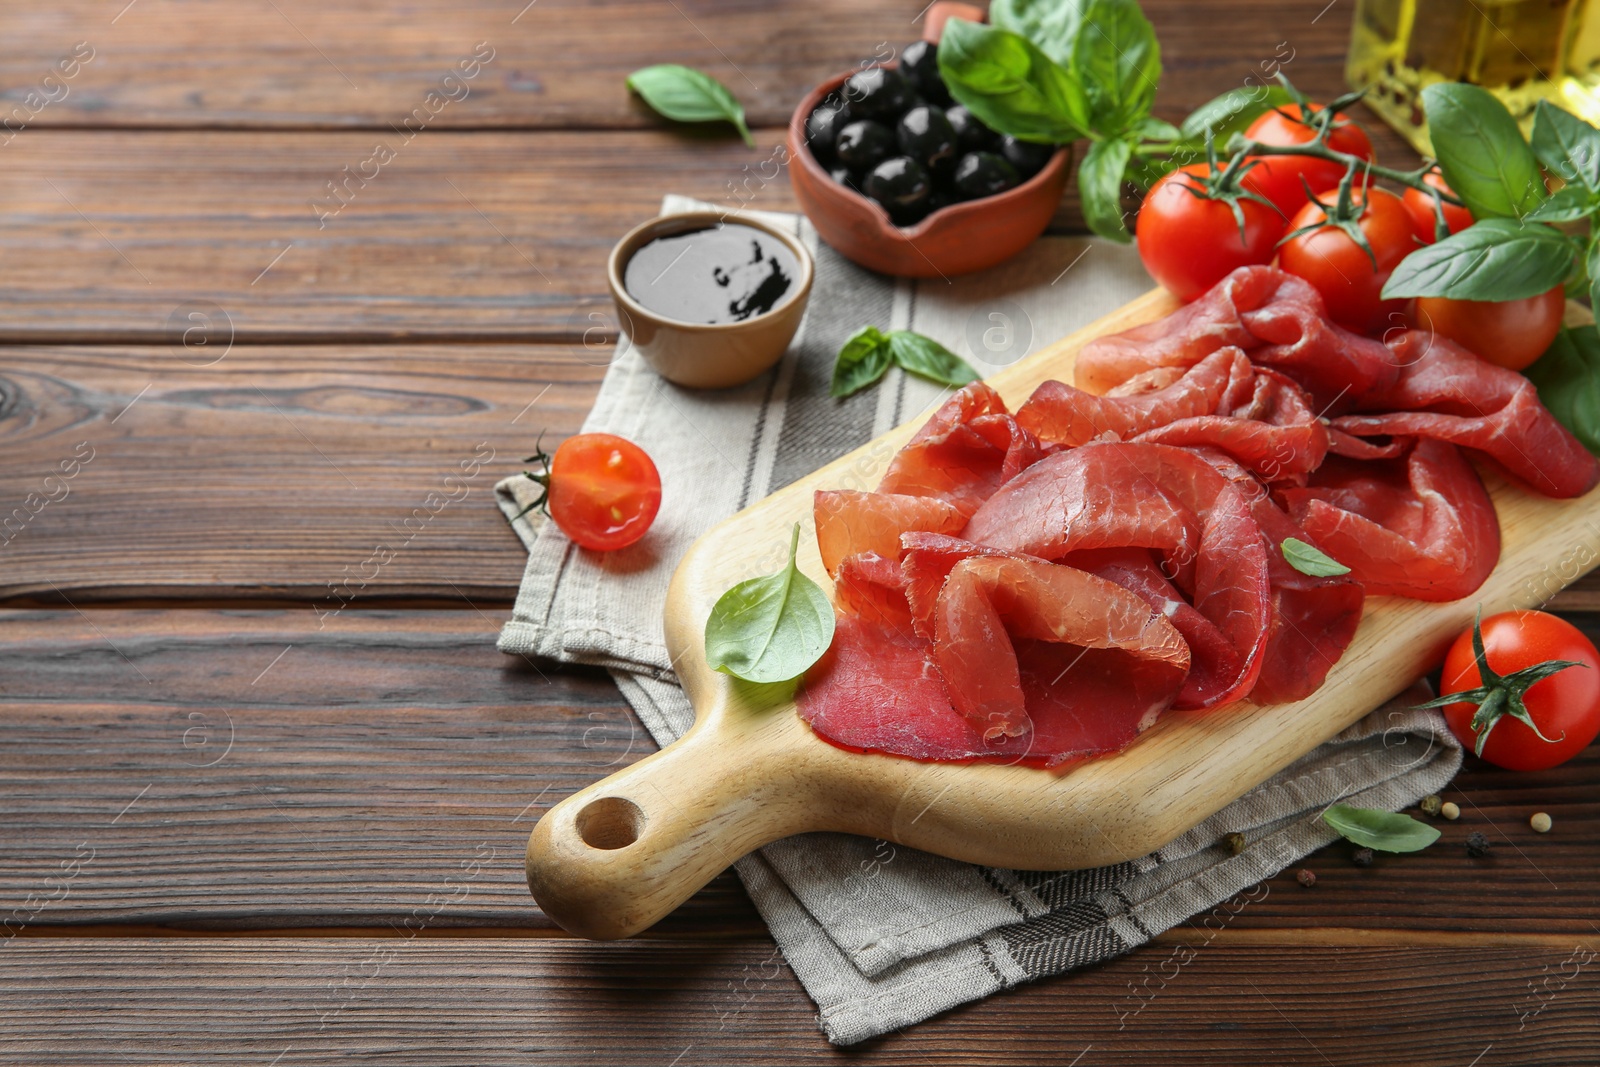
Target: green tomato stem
x=1319, y=150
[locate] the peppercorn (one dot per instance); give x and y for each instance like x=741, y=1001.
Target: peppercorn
x=1540, y=823
x=1430, y=804
x=1450, y=810
x=1306, y=877
x=1362, y=857
x=1477, y=845
x=1234, y=843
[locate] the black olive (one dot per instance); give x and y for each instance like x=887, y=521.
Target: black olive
x=984, y=174
x=823, y=126
x=877, y=93
x=843, y=176
x=940, y=198
x=919, y=62
x=971, y=135
x=901, y=185
x=863, y=144
x=925, y=135
x=1028, y=158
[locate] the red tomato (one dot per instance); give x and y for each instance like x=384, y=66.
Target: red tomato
x=1340, y=270
x=1507, y=333
x=1420, y=204
x=1565, y=706
x=1189, y=243
x=603, y=491
x=1278, y=177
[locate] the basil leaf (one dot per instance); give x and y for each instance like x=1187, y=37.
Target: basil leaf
x=687, y=95
x=863, y=360
x=1591, y=266
x=927, y=358
x=1481, y=151
x=1388, y=831
x=1233, y=112
x=1567, y=145
x=770, y=629
x=1496, y=259
x=1567, y=204
x=1309, y=559
x=1151, y=128
x=1050, y=24
x=1117, y=60
x=1568, y=379
x=1100, y=187
x=1010, y=85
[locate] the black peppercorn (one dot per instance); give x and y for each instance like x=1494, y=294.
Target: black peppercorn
x=1234, y=843
x=1477, y=845
x=1362, y=857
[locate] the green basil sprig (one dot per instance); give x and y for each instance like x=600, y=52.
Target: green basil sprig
x=1568, y=379
x=1387, y=831
x=868, y=355
x=1309, y=559
x=688, y=95
x=1012, y=86
x=770, y=629
x=1496, y=259
x=1482, y=152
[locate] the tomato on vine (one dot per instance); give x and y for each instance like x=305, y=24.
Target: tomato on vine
x=1347, y=249
x=1508, y=333
x=1522, y=690
x=1285, y=179
x=602, y=490
x=1198, y=224
x=1423, y=218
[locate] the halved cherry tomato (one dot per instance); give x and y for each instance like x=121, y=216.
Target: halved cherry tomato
x=1189, y=243
x=1278, y=177
x=601, y=489
x=1507, y=333
x=1565, y=706
x=1348, y=279
x=1420, y=204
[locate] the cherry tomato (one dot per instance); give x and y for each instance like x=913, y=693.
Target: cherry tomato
x=1565, y=706
x=1507, y=333
x=603, y=491
x=1340, y=269
x=1189, y=243
x=1420, y=204
x=1278, y=177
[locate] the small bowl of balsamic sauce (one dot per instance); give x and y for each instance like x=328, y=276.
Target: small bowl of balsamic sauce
x=710, y=298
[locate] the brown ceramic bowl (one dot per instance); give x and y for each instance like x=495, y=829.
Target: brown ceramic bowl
x=958, y=239
x=697, y=354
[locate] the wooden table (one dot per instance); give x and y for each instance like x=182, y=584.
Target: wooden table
x=264, y=792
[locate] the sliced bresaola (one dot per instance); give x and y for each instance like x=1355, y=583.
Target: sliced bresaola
x=1420, y=527
x=1280, y=320
x=1022, y=642
x=1274, y=432
x=1057, y=413
x=849, y=522
x=964, y=452
x=873, y=587
x=1446, y=393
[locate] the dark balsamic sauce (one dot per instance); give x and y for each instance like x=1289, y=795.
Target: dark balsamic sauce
x=726, y=273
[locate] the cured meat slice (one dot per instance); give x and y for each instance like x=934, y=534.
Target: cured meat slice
x=849, y=522
x=927, y=561
x=1057, y=413
x=1274, y=433
x=1422, y=527
x=1088, y=649
x=1446, y=393
x=964, y=452
x=873, y=587
x=1280, y=320
x=1095, y=496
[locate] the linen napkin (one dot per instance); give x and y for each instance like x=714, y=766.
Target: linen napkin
x=880, y=935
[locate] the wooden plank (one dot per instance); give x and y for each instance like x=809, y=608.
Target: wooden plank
x=252, y=769
x=652, y=1003
x=557, y=63
x=372, y=756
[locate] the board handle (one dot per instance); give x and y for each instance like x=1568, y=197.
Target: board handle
x=616, y=857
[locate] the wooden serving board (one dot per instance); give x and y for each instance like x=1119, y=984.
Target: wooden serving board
x=616, y=857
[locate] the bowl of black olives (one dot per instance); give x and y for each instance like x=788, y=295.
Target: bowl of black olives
x=900, y=178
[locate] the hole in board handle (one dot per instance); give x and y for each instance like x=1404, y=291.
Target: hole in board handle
x=610, y=823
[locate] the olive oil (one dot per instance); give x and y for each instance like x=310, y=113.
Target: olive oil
x=1523, y=51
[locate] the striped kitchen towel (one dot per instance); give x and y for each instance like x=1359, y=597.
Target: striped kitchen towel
x=880, y=935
